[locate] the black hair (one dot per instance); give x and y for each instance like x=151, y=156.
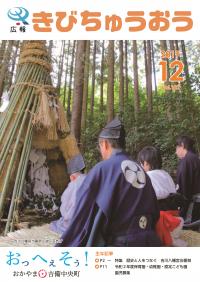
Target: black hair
x=116, y=143
x=152, y=156
x=187, y=142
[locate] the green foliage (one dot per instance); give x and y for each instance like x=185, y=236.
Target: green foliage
x=173, y=114
x=89, y=139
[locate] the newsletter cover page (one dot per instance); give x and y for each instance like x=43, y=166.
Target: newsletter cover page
x=99, y=140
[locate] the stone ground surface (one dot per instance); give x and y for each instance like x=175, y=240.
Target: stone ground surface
x=42, y=236
x=37, y=236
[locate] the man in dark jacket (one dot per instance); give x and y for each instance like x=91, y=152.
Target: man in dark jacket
x=117, y=205
x=188, y=177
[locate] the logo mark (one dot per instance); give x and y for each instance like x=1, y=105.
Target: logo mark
x=42, y=273
x=18, y=14
x=143, y=222
x=133, y=174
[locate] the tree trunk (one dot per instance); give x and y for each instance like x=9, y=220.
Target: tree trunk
x=93, y=79
x=85, y=88
x=14, y=59
x=126, y=70
x=148, y=70
x=2, y=50
x=110, y=90
x=145, y=62
x=78, y=90
x=177, y=49
x=60, y=66
x=50, y=49
x=154, y=68
x=66, y=75
x=121, y=77
x=171, y=44
x=70, y=81
x=5, y=66
x=163, y=47
x=149, y=77
x=186, y=69
x=135, y=80
x=101, y=79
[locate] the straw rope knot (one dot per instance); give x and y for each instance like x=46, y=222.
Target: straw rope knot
x=35, y=53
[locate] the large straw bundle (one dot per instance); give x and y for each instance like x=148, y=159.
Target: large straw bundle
x=34, y=107
x=53, y=155
x=58, y=177
x=68, y=147
x=17, y=125
x=40, y=140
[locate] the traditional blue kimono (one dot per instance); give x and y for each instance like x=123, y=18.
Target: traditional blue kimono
x=116, y=206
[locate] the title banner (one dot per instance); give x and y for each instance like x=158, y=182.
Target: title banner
x=102, y=264
x=95, y=19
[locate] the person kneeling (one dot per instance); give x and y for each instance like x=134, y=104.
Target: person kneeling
x=69, y=196
x=170, y=223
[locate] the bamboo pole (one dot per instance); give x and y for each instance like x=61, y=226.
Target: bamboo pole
x=12, y=132
x=21, y=170
x=23, y=174
x=13, y=156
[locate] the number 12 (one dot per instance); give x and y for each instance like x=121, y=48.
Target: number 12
x=176, y=75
